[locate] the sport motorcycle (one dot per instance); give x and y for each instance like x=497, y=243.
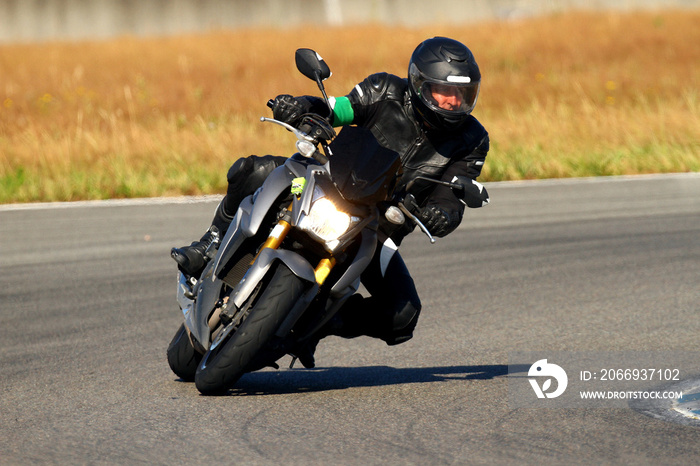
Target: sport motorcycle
x=295, y=249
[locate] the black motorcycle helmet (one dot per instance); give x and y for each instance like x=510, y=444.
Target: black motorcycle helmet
x=444, y=82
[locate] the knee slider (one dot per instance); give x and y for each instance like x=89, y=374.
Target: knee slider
x=404, y=323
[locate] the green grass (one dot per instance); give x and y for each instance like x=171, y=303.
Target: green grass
x=571, y=95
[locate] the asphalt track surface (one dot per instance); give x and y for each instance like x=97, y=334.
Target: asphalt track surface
x=87, y=309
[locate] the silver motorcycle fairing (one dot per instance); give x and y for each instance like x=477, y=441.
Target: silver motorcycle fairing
x=208, y=293
x=296, y=263
x=302, y=204
x=244, y=225
x=250, y=215
x=350, y=280
x=186, y=303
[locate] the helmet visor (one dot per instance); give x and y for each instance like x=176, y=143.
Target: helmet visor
x=450, y=98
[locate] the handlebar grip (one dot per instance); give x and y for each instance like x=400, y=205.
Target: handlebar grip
x=270, y=103
x=320, y=158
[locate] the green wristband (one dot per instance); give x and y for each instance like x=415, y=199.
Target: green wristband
x=343, y=113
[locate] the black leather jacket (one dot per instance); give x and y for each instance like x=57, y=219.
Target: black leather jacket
x=381, y=103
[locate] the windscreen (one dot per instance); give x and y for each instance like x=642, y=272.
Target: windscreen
x=364, y=171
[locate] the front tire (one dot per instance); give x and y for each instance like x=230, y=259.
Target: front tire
x=182, y=357
x=222, y=366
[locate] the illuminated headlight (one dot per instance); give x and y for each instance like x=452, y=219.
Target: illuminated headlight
x=326, y=222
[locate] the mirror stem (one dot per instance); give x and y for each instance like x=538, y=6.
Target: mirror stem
x=323, y=92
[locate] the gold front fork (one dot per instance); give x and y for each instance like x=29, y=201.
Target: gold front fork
x=323, y=269
x=277, y=235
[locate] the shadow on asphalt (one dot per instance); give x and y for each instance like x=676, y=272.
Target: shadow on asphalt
x=292, y=381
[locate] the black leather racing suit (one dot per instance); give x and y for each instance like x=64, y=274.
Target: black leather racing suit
x=381, y=103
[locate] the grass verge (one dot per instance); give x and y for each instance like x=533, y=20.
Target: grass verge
x=580, y=94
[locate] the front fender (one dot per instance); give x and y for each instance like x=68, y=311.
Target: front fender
x=296, y=263
x=209, y=292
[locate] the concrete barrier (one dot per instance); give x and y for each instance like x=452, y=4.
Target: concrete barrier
x=43, y=20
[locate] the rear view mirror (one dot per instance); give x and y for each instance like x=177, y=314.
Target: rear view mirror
x=311, y=65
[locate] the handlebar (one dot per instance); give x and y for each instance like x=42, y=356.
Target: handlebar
x=440, y=182
x=305, y=143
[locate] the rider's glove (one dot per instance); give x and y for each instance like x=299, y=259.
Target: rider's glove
x=289, y=109
x=438, y=221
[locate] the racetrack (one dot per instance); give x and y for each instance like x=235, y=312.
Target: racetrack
x=87, y=309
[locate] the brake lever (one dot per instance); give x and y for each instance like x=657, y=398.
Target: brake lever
x=305, y=143
x=422, y=227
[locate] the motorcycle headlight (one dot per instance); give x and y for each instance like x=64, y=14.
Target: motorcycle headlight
x=325, y=221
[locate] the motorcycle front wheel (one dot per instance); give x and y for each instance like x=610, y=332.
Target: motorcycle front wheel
x=221, y=367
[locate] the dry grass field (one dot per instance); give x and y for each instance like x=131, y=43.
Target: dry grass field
x=568, y=95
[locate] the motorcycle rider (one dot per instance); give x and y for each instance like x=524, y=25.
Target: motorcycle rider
x=427, y=119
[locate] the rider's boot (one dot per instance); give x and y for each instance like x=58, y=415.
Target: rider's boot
x=192, y=259
x=305, y=353
x=244, y=177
